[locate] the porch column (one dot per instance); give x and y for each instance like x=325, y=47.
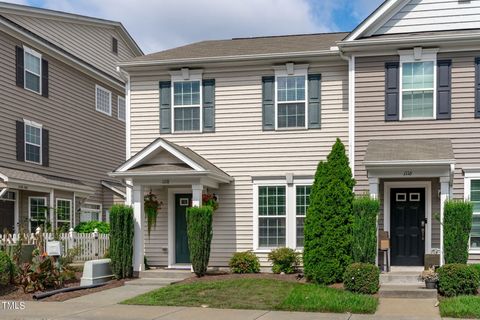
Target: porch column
x=128, y=192
x=197, y=190
x=444, y=195
x=139, y=220
x=374, y=187
x=52, y=210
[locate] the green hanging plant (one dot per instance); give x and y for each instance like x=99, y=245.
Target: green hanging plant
x=151, y=206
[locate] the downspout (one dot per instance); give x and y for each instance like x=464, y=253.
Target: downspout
x=351, y=109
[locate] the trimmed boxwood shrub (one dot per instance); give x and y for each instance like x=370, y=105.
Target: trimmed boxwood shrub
x=199, y=231
x=284, y=260
x=90, y=226
x=457, y=225
x=362, y=278
x=6, y=268
x=328, y=224
x=458, y=279
x=121, y=241
x=365, y=213
x=244, y=262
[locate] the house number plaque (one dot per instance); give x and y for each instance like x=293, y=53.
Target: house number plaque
x=408, y=173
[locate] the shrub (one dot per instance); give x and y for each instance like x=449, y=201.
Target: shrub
x=6, y=268
x=244, y=262
x=457, y=279
x=457, y=224
x=476, y=267
x=121, y=241
x=364, y=229
x=362, y=278
x=90, y=226
x=39, y=275
x=328, y=224
x=284, y=260
x=199, y=231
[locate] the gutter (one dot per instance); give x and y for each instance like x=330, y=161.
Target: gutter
x=408, y=162
x=128, y=174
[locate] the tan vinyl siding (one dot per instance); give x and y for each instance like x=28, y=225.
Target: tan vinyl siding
x=91, y=43
x=84, y=144
x=240, y=147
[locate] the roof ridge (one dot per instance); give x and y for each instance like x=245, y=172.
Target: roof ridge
x=286, y=35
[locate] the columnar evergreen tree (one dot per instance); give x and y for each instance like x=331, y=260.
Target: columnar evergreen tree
x=200, y=233
x=121, y=241
x=328, y=224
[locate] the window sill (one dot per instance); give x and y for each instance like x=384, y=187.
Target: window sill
x=264, y=250
x=292, y=129
x=417, y=119
x=186, y=132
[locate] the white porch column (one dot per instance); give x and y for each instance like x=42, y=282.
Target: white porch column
x=197, y=190
x=128, y=192
x=138, y=237
x=52, y=209
x=444, y=195
x=374, y=189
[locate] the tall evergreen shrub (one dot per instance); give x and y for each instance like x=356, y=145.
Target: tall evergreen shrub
x=457, y=225
x=328, y=224
x=364, y=229
x=199, y=231
x=121, y=241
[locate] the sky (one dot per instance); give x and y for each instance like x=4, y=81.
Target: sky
x=162, y=24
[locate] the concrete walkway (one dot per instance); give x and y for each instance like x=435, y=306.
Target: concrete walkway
x=104, y=305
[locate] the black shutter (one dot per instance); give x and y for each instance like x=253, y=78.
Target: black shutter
x=45, y=148
x=114, y=45
x=444, y=89
x=392, y=79
x=19, y=66
x=165, y=107
x=209, y=105
x=268, y=103
x=477, y=88
x=314, y=95
x=20, y=135
x=45, y=78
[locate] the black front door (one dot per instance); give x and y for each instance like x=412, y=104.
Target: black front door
x=7, y=216
x=182, y=202
x=407, y=226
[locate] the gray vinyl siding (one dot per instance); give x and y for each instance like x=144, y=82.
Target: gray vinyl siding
x=463, y=129
x=84, y=143
x=89, y=42
x=239, y=146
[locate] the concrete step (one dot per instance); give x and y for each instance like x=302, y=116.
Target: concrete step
x=160, y=282
x=407, y=292
x=400, y=278
x=166, y=273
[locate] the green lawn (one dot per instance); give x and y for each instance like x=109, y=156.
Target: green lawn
x=262, y=294
x=461, y=307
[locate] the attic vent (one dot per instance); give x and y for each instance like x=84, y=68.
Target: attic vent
x=115, y=45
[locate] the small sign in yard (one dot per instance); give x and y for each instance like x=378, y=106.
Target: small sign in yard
x=54, y=248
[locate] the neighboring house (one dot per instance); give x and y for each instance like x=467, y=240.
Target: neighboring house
x=62, y=116
x=249, y=119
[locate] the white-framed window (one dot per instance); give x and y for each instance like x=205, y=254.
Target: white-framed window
x=37, y=212
x=103, y=100
x=418, y=70
x=291, y=92
x=64, y=214
x=90, y=211
x=279, y=214
x=32, y=61
x=33, y=142
x=121, y=108
x=187, y=111
x=472, y=193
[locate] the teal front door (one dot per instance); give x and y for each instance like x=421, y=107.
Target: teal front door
x=182, y=202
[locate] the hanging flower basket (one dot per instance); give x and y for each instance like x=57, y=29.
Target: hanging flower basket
x=210, y=200
x=151, y=207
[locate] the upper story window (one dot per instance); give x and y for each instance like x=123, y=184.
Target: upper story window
x=114, y=45
x=103, y=100
x=121, y=108
x=33, y=142
x=186, y=106
x=291, y=101
x=33, y=70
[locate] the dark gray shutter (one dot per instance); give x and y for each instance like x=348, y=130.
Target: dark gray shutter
x=268, y=103
x=444, y=89
x=45, y=78
x=314, y=94
x=477, y=88
x=19, y=65
x=209, y=105
x=392, y=79
x=165, y=107
x=45, y=148
x=20, y=135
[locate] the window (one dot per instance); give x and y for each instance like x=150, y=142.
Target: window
x=91, y=212
x=33, y=142
x=186, y=106
x=64, y=214
x=33, y=70
x=272, y=216
x=37, y=211
x=121, y=108
x=291, y=101
x=115, y=45
x=475, y=198
x=103, y=100
x=302, y=203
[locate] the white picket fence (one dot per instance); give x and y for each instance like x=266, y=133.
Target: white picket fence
x=91, y=246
